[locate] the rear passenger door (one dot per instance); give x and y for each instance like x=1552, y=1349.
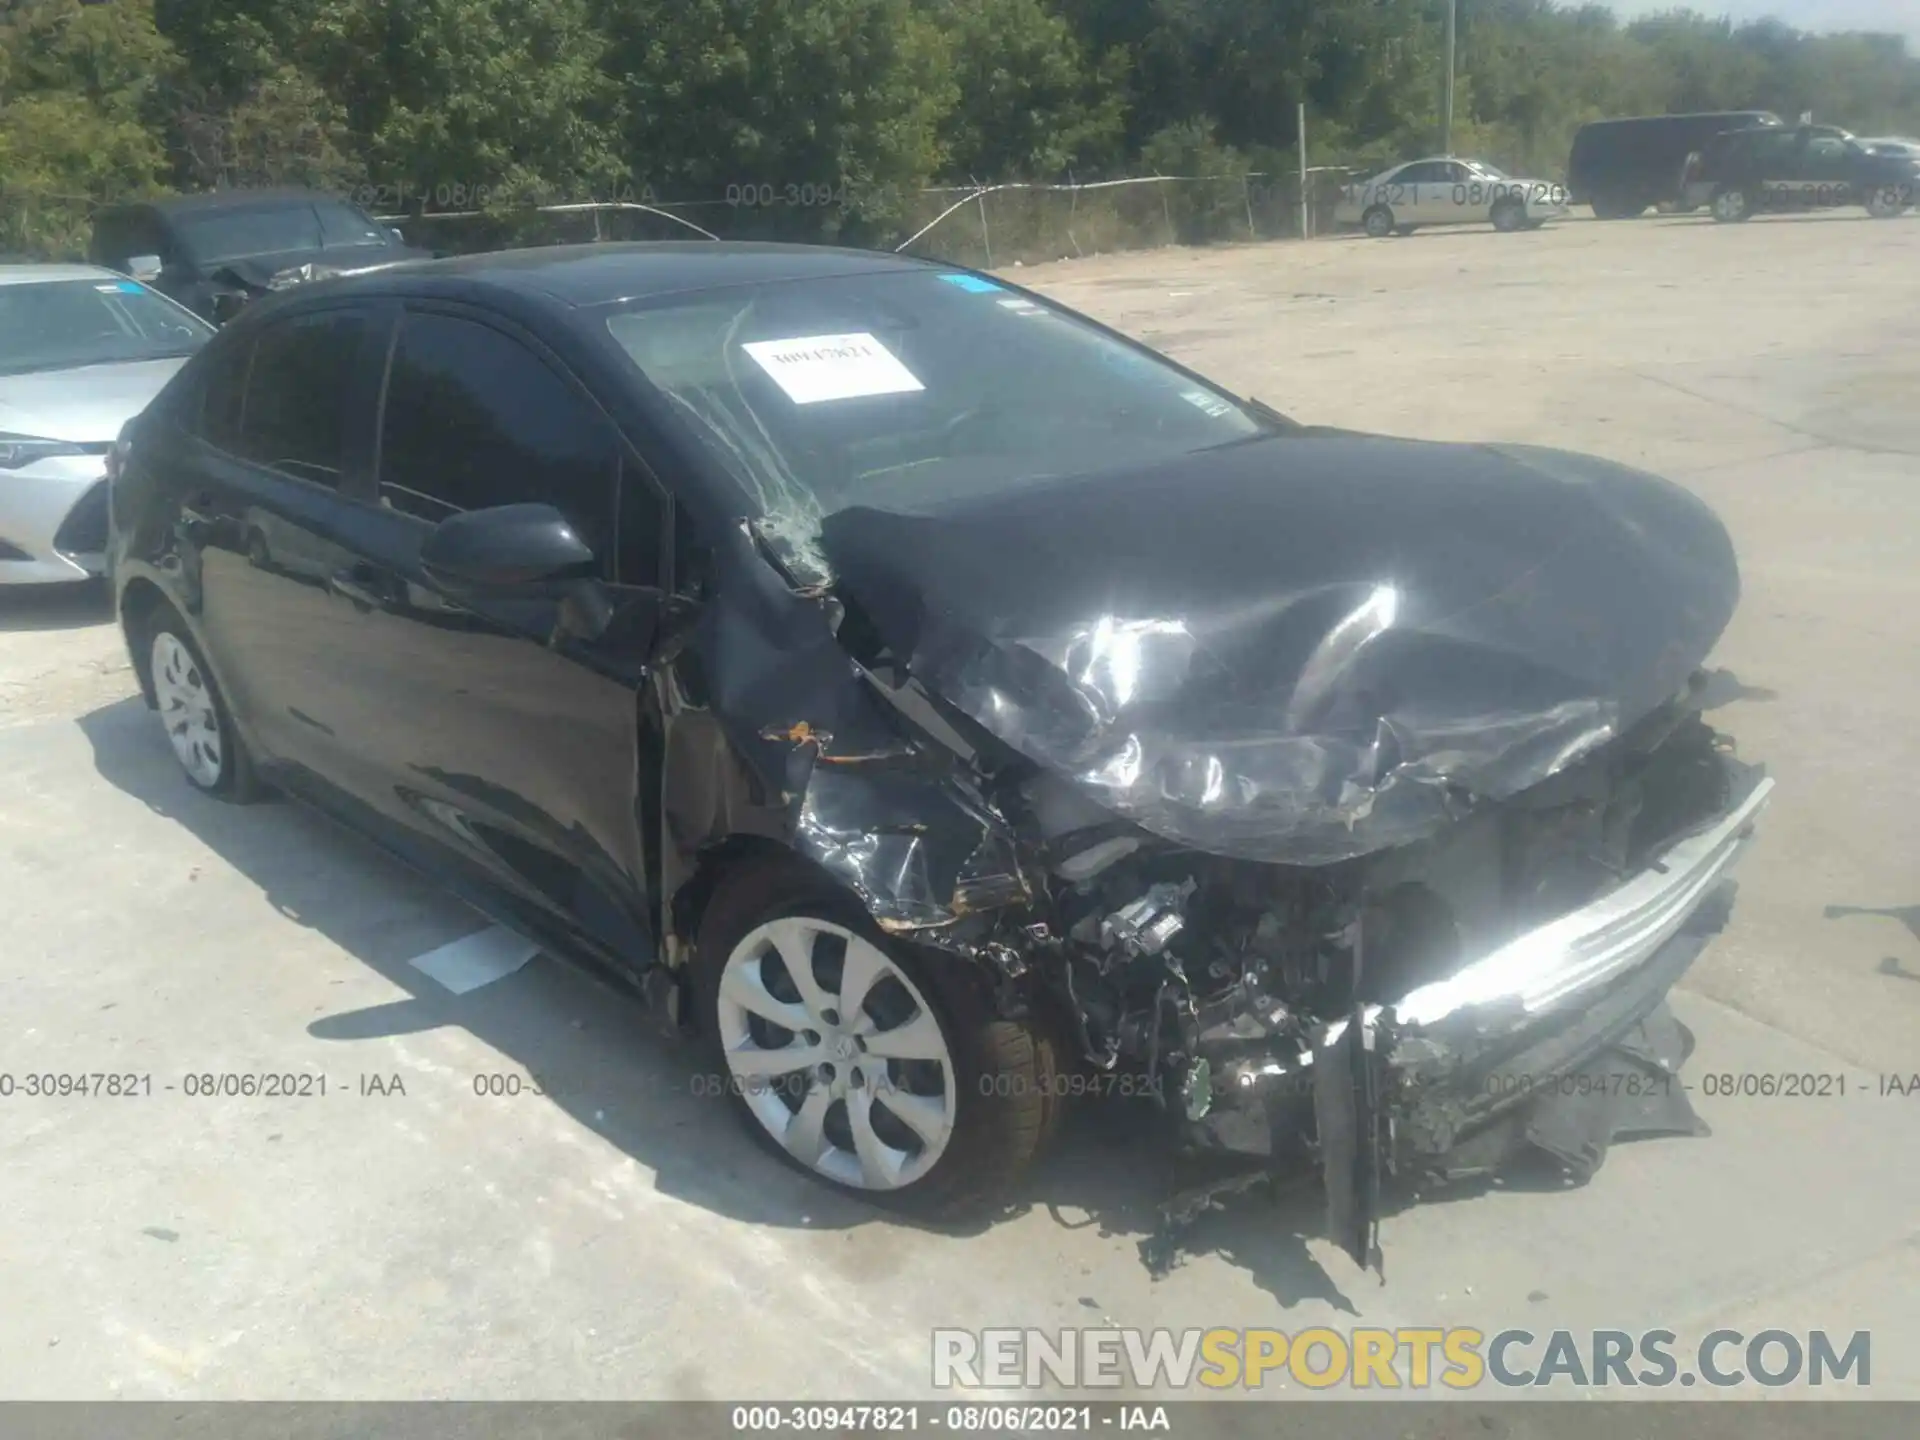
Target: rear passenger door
x=285, y=455
x=487, y=728
x=1422, y=194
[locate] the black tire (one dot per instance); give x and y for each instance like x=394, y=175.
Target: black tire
x=1509, y=216
x=1006, y=1085
x=1731, y=204
x=1378, y=222
x=1887, y=202
x=236, y=781
x=1404, y=230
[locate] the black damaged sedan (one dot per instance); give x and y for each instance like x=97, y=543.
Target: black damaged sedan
x=942, y=705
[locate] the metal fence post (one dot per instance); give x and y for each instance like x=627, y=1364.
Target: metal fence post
x=985, y=239
x=1301, y=120
x=1246, y=194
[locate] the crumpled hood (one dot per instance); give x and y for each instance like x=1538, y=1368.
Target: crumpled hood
x=1310, y=646
x=272, y=272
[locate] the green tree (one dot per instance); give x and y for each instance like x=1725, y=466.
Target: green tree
x=79, y=88
x=823, y=116
x=1030, y=104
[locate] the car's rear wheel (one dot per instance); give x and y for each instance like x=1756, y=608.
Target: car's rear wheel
x=198, y=724
x=1732, y=204
x=1887, y=201
x=872, y=1065
x=1378, y=222
x=1508, y=216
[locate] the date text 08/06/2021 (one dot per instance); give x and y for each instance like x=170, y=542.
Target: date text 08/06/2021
x=952, y=1419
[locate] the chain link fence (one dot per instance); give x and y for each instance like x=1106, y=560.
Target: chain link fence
x=979, y=225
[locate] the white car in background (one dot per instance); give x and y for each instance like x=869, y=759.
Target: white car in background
x=1447, y=190
x=82, y=351
x=1897, y=145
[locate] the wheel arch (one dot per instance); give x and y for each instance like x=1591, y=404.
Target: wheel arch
x=140, y=600
x=685, y=910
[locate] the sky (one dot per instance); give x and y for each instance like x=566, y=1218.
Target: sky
x=1902, y=17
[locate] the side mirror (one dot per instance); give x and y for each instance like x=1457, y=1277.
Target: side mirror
x=394, y=232
x=144, y=267
x=506, y=548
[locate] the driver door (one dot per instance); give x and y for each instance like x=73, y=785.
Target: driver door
x=495, y=730
x=1447, y=198
x=1826, y=169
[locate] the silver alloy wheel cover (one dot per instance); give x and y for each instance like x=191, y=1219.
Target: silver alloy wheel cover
x=1730, y=203
x=842, y=1047
x=1884, y=203
x=1384, y=228
x=187, y=710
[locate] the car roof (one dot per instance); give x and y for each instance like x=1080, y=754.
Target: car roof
x=224, y=200
x=579, y=276
x=1684, y=115
x=31, y=274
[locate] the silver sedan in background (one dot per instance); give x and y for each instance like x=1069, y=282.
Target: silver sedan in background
x=82, y=351
x=1448, y=190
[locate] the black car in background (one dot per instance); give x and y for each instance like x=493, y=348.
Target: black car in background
x=1800, y=167
x=215, y=252
x=945, y=704
x=1620, y=167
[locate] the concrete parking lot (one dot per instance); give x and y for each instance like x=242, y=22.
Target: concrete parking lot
x=402, y=1236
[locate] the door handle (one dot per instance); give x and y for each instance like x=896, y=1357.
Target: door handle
x=363, y=586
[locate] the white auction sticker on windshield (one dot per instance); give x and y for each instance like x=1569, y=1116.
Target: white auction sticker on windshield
x=812, y=368
x=1212, y=404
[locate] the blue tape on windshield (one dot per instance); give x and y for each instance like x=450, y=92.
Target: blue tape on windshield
x=973, y=284
x=131, y=287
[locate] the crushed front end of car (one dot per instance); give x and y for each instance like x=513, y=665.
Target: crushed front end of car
x=1354, y=795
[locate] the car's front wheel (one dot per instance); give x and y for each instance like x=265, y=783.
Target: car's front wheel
x=875, y=1066
x=198, y=724
x=1508, y=216
x=1378, y=222
x=1732, y=204
x=1887, y=201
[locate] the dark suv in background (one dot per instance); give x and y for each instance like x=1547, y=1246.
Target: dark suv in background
x=1799, y=167
x=1620, y=167
x=213, y=253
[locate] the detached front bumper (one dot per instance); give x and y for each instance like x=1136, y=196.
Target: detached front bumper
x=1556, y=1042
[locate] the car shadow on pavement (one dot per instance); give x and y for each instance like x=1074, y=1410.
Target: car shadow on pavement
x=79, y=606
x=594, y=1050
x=1907, y=915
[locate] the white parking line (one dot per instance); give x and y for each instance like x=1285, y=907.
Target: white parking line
x=477, y=959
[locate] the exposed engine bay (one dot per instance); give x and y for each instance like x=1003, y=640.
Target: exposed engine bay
x=1296, y=1015
x=1218, y=980
x=1352, y=793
